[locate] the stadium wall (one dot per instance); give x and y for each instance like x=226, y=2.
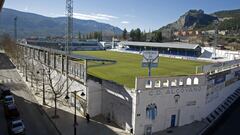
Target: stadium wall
x=117, y=104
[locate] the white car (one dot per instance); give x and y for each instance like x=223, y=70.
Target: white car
x=8, y=100
x=16, y=127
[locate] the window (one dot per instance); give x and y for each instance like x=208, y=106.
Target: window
x=180, y=82
x=174, y=83
x=148, y=84
x=195, y=81
x=166, y=83
x=157, y=84
x=151, y=111
x=189, y=81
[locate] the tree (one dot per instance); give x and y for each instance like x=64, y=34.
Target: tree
x=138, y=34
x=156, y=36
x=132, y=35
x=143, y=36
x=124, y=35
x=79, y=36
x=56, y=81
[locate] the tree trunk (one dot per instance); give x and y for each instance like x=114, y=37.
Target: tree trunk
x=55, y=106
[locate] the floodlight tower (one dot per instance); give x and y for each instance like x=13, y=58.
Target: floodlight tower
x=69, y=30
x=69, y=37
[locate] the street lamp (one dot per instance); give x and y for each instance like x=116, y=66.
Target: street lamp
x=75, y=109
x=43, y=86
x=176, y=98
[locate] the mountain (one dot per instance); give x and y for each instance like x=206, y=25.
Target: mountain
x=30, y=24
x=191, y=20
x=197, y=19
x=229, y=19
x=228, y=13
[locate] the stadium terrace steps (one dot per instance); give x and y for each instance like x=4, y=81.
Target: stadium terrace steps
x=206, y=54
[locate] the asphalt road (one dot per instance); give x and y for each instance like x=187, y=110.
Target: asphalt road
x=36, y=122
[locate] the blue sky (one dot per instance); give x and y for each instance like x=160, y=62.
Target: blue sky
x=144, y=14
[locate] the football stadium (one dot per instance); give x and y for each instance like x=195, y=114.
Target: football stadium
x=128, y=67
x=180, y=91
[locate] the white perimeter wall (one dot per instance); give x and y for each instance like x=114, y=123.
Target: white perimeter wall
x=196, y=101
x=117, y=104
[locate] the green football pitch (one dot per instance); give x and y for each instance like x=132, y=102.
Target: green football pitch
x=128, y=67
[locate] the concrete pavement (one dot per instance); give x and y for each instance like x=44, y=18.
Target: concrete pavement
x=190, y=129
x=97, y=126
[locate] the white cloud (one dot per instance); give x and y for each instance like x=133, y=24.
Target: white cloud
x=93, y=16
x=124, y=22
x=130, y=16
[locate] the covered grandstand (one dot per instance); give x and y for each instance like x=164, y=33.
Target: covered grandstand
x=171, y=48
x=60, y=45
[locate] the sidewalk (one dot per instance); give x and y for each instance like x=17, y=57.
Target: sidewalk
x=97, y=125
x=190, y=129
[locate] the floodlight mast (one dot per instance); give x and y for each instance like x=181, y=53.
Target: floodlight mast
x=69, y=30
x=69, y=37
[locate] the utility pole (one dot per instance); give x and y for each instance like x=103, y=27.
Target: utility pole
x=75, y=112
x=15, y=38
x=43, y=85
x=214, y=55
x=15, y=29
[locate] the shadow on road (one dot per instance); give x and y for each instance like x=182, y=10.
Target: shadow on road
x=5, y=63
x=64, y=123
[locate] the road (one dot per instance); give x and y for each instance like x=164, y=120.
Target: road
x=36, y=122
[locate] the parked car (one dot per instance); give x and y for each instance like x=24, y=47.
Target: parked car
x=8, y=100
x=11, y=111
x=16, y=127
x=5, y=91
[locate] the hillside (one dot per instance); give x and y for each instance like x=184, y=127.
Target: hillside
x=30, y=24
x=191, y=20
x=197, y=19
x=228, y=13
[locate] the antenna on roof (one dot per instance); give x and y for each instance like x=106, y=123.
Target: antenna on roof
x=214, y=55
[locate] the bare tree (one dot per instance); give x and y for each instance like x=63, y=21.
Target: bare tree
x=56, y=82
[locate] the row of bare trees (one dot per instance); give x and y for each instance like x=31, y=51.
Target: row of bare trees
x=39, y=71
